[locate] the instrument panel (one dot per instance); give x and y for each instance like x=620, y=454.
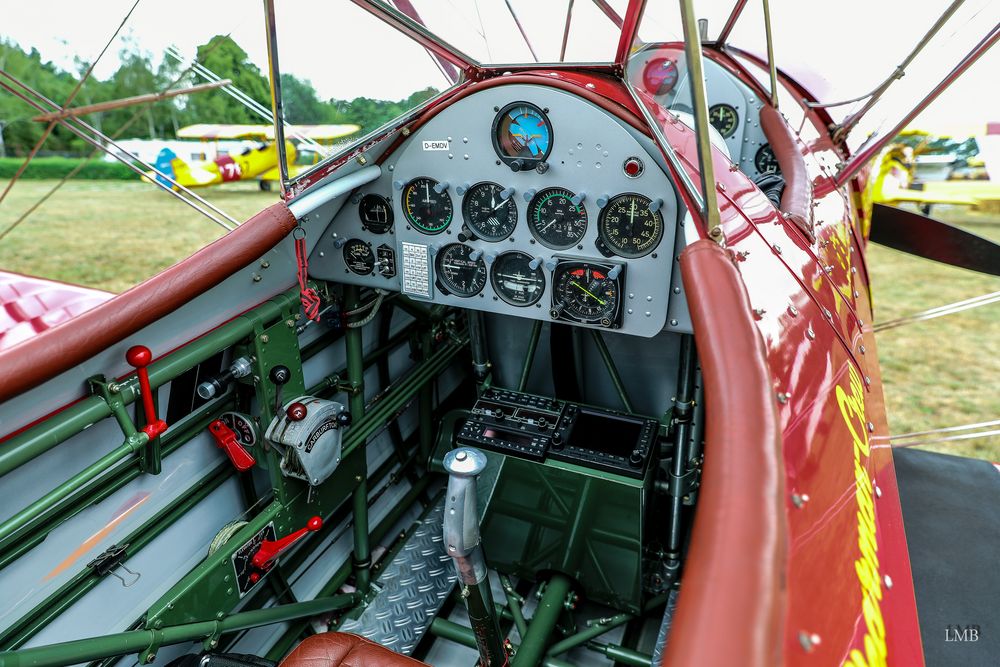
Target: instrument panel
x=521, y=200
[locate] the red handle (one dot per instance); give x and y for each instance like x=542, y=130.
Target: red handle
x=270, y=550
x=140, y=357
x=225, y=438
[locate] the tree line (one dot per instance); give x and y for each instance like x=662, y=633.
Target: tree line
x=137, y=75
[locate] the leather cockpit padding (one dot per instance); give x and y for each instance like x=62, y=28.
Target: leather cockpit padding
x=732, y=599
x=341, y=649
x=796, y=200
x=44, y=356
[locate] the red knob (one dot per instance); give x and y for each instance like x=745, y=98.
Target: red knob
x=139, y=356
x=269, y=550
x=225, y=438
x=297, y=412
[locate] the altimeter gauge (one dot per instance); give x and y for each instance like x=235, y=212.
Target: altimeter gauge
x=490, y=215
x=629, y=227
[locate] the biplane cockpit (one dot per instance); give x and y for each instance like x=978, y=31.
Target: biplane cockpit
x=565, y=365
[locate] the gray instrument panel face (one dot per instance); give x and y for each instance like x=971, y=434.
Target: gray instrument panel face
x=589, y=148
x=722, y=88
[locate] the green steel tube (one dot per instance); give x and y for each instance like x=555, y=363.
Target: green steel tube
x=34, y=532
x=70, y=486
x=543, y=622
x=35, y=441
x=609, y=363
x=625, y=656
x=586, y=635
x=354, y=345
x=125, y=643
x=397, y=397
x=529, y=357
x=425, y=406
x=453, y=632
x=74, y=589
x=514, y=605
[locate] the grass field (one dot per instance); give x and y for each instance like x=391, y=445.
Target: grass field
x=942, y=372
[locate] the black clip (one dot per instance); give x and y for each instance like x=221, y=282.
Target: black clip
x=111, y=560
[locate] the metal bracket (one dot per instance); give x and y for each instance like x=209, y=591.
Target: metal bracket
x=683, y=485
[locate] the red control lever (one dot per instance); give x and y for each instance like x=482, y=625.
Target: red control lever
x=270, y=550
x=225, y=438
x=140, y=357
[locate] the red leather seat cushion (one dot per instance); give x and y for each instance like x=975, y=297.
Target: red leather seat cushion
x=333, y=649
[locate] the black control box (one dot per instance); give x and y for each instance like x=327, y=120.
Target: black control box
x=537, y=427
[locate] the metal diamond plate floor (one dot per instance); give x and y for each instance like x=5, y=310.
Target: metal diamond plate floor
x=413, y=588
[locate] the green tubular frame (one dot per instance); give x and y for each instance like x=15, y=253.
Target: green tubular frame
x=354, y=346
x=85, y=580
x=529, y=356
x=138, y=641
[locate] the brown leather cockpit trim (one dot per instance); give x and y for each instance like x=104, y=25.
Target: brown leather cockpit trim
x=46, y=355
x=732, y=603
x=796, y=201
x=342, y=649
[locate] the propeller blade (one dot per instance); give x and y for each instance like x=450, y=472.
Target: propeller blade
x=932, y=239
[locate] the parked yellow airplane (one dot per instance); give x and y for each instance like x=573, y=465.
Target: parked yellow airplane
x=897, y=181
x=257, y=162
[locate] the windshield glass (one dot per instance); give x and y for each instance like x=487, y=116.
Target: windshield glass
x=503, y=32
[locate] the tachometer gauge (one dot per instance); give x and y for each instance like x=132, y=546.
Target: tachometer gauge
x=724, y=118
x=459, y=274
x=660, y=76
x=555, y=220
x=522, y=135
x=427, y=210
x=515, y=281
x=488, y=214
x=376, y=213
x=359, y=257
x=765, y=161
x=628, y=227
x=584, y=292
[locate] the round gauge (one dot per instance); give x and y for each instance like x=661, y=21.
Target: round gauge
x=522, y=134
x=724, y=118
x=426, y=209
x=583, y=292
x=765, y=161
x=555, y=220
x=515, y=281
x=487, y=213
x=359, y=257
x=628, y=227
x=376, y=213
x=458, y=273
x=660, y=76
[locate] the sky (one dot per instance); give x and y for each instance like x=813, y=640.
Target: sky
x=346, y=52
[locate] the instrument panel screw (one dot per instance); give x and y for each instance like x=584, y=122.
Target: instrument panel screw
x=783, y=397
x=264, y=264
x=799, y=500
x=810, y=334
x=759, y=312
x=888, y=581
x=871, y=427
x=150, y=658
x=264, y=338
x=256, y=277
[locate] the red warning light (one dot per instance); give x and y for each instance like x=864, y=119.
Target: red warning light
x=633, y=167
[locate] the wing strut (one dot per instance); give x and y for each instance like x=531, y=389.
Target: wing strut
x=81, y=129
x=873, y=148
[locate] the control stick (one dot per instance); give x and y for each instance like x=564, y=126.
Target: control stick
x=462, y=541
